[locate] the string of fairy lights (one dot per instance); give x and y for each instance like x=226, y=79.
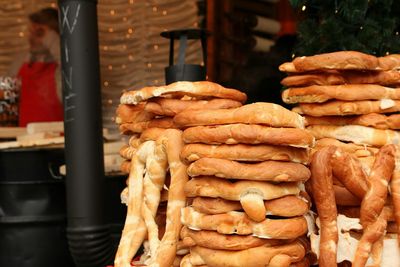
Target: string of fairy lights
x=132, y=52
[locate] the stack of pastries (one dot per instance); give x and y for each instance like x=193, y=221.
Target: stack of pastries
x=246, y=198
x=154, y=193
x=350, y=102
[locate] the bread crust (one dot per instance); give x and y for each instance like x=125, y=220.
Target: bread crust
x=248, y=134
x=286, y=206
x=343, y=60
x=273, y=171
x=337, y=107
x=356, y=134
x=346, y=92
x=357, y=150
x=132, y=113
x=268, y=114
x=203, y=88
x=255, y=257
x=375, y=198
x=378, y=121
x=386, y=78
x=241, y=152
x=207, y=186
x=138, y=127
x=170, y=107
x=239, y=223
x=214, y=240
x=324, y=198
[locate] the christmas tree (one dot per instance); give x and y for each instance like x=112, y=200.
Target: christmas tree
x=369, y=26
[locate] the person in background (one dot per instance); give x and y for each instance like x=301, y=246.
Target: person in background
x=39, y=70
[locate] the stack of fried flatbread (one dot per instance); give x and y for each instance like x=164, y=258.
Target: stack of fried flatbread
x=350, y=102
x=156, y=173
x=360, y=106
x=247, y=172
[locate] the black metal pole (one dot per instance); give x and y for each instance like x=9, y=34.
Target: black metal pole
x=88, y=234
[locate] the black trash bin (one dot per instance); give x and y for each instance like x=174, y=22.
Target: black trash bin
x=32, y=209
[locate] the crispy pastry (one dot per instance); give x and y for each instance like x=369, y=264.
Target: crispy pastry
x=214, y=240
x=203, y=88
x=337, y=107
x=134, y=230
x=379, y=121
x=356, y=134
x=273, y=171
x=239, y=223
x=138, y=127
x=343, y=60
x=287, y=206
x=275, y=256
x=170, y=107
x=241, y=152
x=324, y=198
x=374, y=200
x=346, y=92
x=268, y=114
x=248, y=134
x=386, y=78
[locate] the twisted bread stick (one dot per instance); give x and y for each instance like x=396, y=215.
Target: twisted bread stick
x=156, y=169
x=372, y=233
x=166, y=252
x=374, y=200
x=323, y=193
x=134, y=230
